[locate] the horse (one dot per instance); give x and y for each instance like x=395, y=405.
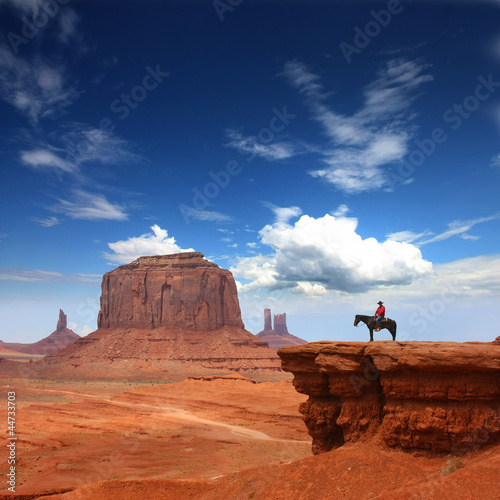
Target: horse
x=370, y=322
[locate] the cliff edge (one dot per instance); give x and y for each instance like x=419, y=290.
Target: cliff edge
x=439, y=396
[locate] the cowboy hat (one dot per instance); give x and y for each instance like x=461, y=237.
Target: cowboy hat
x=379, y=302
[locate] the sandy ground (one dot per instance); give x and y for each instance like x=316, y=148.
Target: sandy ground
x=214, y=439
x=75, y=433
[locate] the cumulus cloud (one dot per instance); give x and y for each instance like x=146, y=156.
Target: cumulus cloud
x=156, y=243
x=327, y=252
x=371, y=138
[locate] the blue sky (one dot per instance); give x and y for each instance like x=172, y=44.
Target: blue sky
x=330, y=153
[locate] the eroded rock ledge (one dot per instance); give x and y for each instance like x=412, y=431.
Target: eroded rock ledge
x=440, y=396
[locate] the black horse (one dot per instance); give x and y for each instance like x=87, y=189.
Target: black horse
x=370, y=322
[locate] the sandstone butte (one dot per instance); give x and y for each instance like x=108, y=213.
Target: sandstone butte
x=278, y=336
x=436, y=396
x=163, y=316
x=59, y=338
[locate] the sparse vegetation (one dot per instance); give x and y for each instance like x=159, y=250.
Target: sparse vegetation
x=452, y=464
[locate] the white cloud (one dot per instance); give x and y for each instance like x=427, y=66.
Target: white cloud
x=79, y=145
x=156, y=243
x=35, y=88
x=269, y=150
x=312, y=290
x=48, y=222
x=409, y=236
x=43, y=159
x=495, y=162
x=375, y=136
x=203, y=215
x=456, y=228
x=89, y=206
x=85, y=144
x=68, y=24
x=39, y=275
x=327, y=251
x=283, y=214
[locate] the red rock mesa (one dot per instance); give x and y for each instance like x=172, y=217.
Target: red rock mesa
x=166, y=314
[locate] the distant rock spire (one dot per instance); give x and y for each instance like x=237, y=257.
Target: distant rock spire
x=62, y=323
x=267, y=320
x=280, y=324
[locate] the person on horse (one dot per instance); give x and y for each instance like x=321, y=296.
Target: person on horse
x=379, y=315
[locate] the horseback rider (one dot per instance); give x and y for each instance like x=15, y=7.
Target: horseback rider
x=379, y=315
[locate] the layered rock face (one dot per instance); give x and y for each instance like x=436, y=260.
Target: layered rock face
x=58, y=339
x=439, y=396
x=278, y=336
x=166, y=314
x=181, y=290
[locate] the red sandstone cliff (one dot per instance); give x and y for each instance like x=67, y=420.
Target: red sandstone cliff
x=440, y=396
x=58, y=339
x=278, y=336
x=162, y=315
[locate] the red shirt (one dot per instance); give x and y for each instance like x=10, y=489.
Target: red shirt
x=380, y=311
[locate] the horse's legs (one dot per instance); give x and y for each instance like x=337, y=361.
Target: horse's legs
x=371, y=334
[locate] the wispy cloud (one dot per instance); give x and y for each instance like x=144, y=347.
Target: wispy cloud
x=252, y=145
x=78, y=144
x=204, y=215
x=46, y=159
x=156, y=243
x=455, y=228
x=48, y=222
x=35, y=88
x=38, y=275
x=495, y=163
x=375, y=136
x=89, y=206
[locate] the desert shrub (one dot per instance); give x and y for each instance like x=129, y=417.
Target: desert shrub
x=452, y=465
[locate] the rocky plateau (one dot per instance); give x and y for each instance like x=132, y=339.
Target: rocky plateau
x=436, y=396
